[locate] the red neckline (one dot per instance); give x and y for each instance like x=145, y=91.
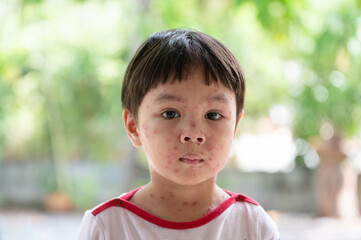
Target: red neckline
x=124, y=202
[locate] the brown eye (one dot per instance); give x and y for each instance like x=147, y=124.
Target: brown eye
x=213, y=116
x=170, y=114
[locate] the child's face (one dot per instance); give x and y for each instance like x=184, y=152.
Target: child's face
x=186, y=129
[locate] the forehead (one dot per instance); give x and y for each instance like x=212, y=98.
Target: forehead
x=193, y=87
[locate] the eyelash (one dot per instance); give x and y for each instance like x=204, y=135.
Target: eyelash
x=219, y=116
x=175, y=114
x=164, y=114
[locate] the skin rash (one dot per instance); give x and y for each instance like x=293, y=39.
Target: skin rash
x=186, y=130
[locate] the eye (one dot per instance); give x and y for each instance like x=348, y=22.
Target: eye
x=170, y=114
x=213, y=116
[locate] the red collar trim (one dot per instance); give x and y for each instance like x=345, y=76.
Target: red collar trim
x=123, y=202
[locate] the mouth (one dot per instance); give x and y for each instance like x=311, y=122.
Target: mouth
x=191, y=159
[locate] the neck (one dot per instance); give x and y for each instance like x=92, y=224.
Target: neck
x=175, y=193
x=175, y=202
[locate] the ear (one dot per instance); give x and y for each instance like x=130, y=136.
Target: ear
x=131, y=128
x=237, y=123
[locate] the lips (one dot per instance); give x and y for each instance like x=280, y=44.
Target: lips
x=192, y=159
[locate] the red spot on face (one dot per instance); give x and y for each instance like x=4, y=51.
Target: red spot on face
x=151, y=196
x=193, y=125
x=171, y=195
x=170, y=157
x=169, y=162
x=155, y=131
x=176, y=170
x=162, y=197
x=145, y=129
x=175, y=148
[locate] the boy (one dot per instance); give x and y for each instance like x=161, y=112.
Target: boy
x=182, y=96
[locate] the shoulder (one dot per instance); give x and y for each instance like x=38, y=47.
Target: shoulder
x=252, y=215
x=99, y=221
x=90, y=228
x=241, y=198
x=245, y=207
x=115, y=202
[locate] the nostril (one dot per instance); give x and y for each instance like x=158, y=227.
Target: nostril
x=186, y=139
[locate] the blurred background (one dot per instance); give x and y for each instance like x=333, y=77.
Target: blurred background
x=63, y=148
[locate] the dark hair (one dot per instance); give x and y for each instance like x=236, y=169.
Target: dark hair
x=170, y=55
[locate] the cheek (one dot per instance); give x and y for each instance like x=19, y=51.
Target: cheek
x=150, y=132
x=145, y=131
x=220, y=143
x=226, y=145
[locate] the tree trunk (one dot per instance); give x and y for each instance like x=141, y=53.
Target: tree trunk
x=336, y=182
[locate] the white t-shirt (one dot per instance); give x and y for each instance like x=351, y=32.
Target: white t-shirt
x=238, y=217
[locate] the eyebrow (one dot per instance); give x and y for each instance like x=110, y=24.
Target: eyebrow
x=219, y=98
x=168, y=97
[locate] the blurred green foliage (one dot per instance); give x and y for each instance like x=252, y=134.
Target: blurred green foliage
x=61, y=65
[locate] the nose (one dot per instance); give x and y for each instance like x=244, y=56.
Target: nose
x=193, y=135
